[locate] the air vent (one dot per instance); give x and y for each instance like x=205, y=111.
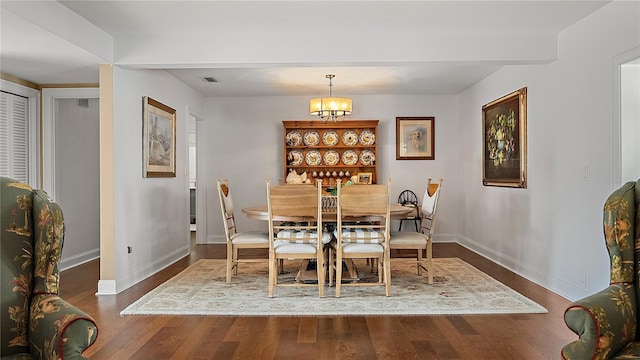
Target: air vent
x=210, y=79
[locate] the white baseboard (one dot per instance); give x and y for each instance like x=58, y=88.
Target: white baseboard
x=79, y=259
x=106, y=287
x=158, y=265
x=216, y=239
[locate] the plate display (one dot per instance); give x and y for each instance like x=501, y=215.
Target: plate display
x=349, y=157
x=313, y=158
x=350, y=138
x=295, y=157
x=311, y=138
x=294, y=138
x=331, y=157
x=330, y=138
x=367, y=157
x=367, y=137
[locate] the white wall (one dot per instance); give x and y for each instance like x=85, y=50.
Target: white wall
x=243, y=142
x=551, y=233
x=151, y=214
x=77, y=179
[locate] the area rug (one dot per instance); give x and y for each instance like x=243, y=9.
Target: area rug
x=458, y=288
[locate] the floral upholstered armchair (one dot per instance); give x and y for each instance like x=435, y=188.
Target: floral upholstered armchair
x=607, y=322
x=36, y=323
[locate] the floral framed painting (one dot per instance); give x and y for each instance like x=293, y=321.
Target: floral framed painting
x=415, y=138
x=504, y=145
x=158, y=139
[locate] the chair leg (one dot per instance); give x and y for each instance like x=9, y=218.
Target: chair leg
x=230, y=262
x=430, y=261
x=320, y=270
x=332, y=267
x=235, y=260
x=338, y=272
x=387, y=275
x=419, y=261
x=273, y=273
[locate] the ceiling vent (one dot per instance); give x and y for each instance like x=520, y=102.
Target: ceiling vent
x=210, y=79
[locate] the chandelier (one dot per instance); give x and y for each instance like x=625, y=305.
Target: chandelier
x=334, y=109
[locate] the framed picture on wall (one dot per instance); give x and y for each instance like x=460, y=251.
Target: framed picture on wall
x=415, y=138
x=504, y=145
x=158, y=139
x=364, y=178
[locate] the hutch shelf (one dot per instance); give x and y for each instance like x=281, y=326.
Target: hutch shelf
x=331, y=151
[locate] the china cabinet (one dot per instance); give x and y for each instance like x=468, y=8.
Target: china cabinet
x=331, y=151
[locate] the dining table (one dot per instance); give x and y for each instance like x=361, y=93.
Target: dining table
x=260, y=212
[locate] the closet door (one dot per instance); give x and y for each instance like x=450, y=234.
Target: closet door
x=14, y=136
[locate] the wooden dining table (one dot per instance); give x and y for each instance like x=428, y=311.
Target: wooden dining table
x=260, y=212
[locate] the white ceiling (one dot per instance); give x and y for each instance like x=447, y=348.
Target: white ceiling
x=258, y=48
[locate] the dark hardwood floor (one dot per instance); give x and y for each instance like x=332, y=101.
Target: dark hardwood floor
x=520, y=336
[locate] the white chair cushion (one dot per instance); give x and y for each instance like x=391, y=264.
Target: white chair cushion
x=293, y=248
x=302, y=236
x=355, y=248
x=361, y=236
x=407, y=238
x=250, y=237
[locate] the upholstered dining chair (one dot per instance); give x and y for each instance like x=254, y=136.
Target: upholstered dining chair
x=237, y=240
x=366, y=238
x=299, y=240
x=421, y=241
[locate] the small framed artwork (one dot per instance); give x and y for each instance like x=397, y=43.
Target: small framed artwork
x=158, y=139
x=504, y=145
x=364, y=178
x=415, y=138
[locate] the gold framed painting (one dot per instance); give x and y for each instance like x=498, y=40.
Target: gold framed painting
x=504, y=145
x=415, y=138
x=158, y=139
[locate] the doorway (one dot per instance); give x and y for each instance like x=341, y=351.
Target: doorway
x=630, y=119
x=626, y=117
x=191, y=133
x=71, y=167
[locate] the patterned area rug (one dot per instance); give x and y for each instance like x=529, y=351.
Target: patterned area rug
x=458, y=288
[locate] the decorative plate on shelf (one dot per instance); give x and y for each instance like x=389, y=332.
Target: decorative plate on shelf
x=331, y=158
x=367, y=137
x=295, y=158
x=367, y=157
x=330, y=138
x=311, y=138
x=350, y=157
x=350, y=138
x=313, y=158
x=294, y=138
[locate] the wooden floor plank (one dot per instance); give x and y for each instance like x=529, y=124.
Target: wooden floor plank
x=490, y=337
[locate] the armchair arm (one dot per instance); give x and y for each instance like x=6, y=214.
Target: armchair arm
x=59, y=330
x=604, y=321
